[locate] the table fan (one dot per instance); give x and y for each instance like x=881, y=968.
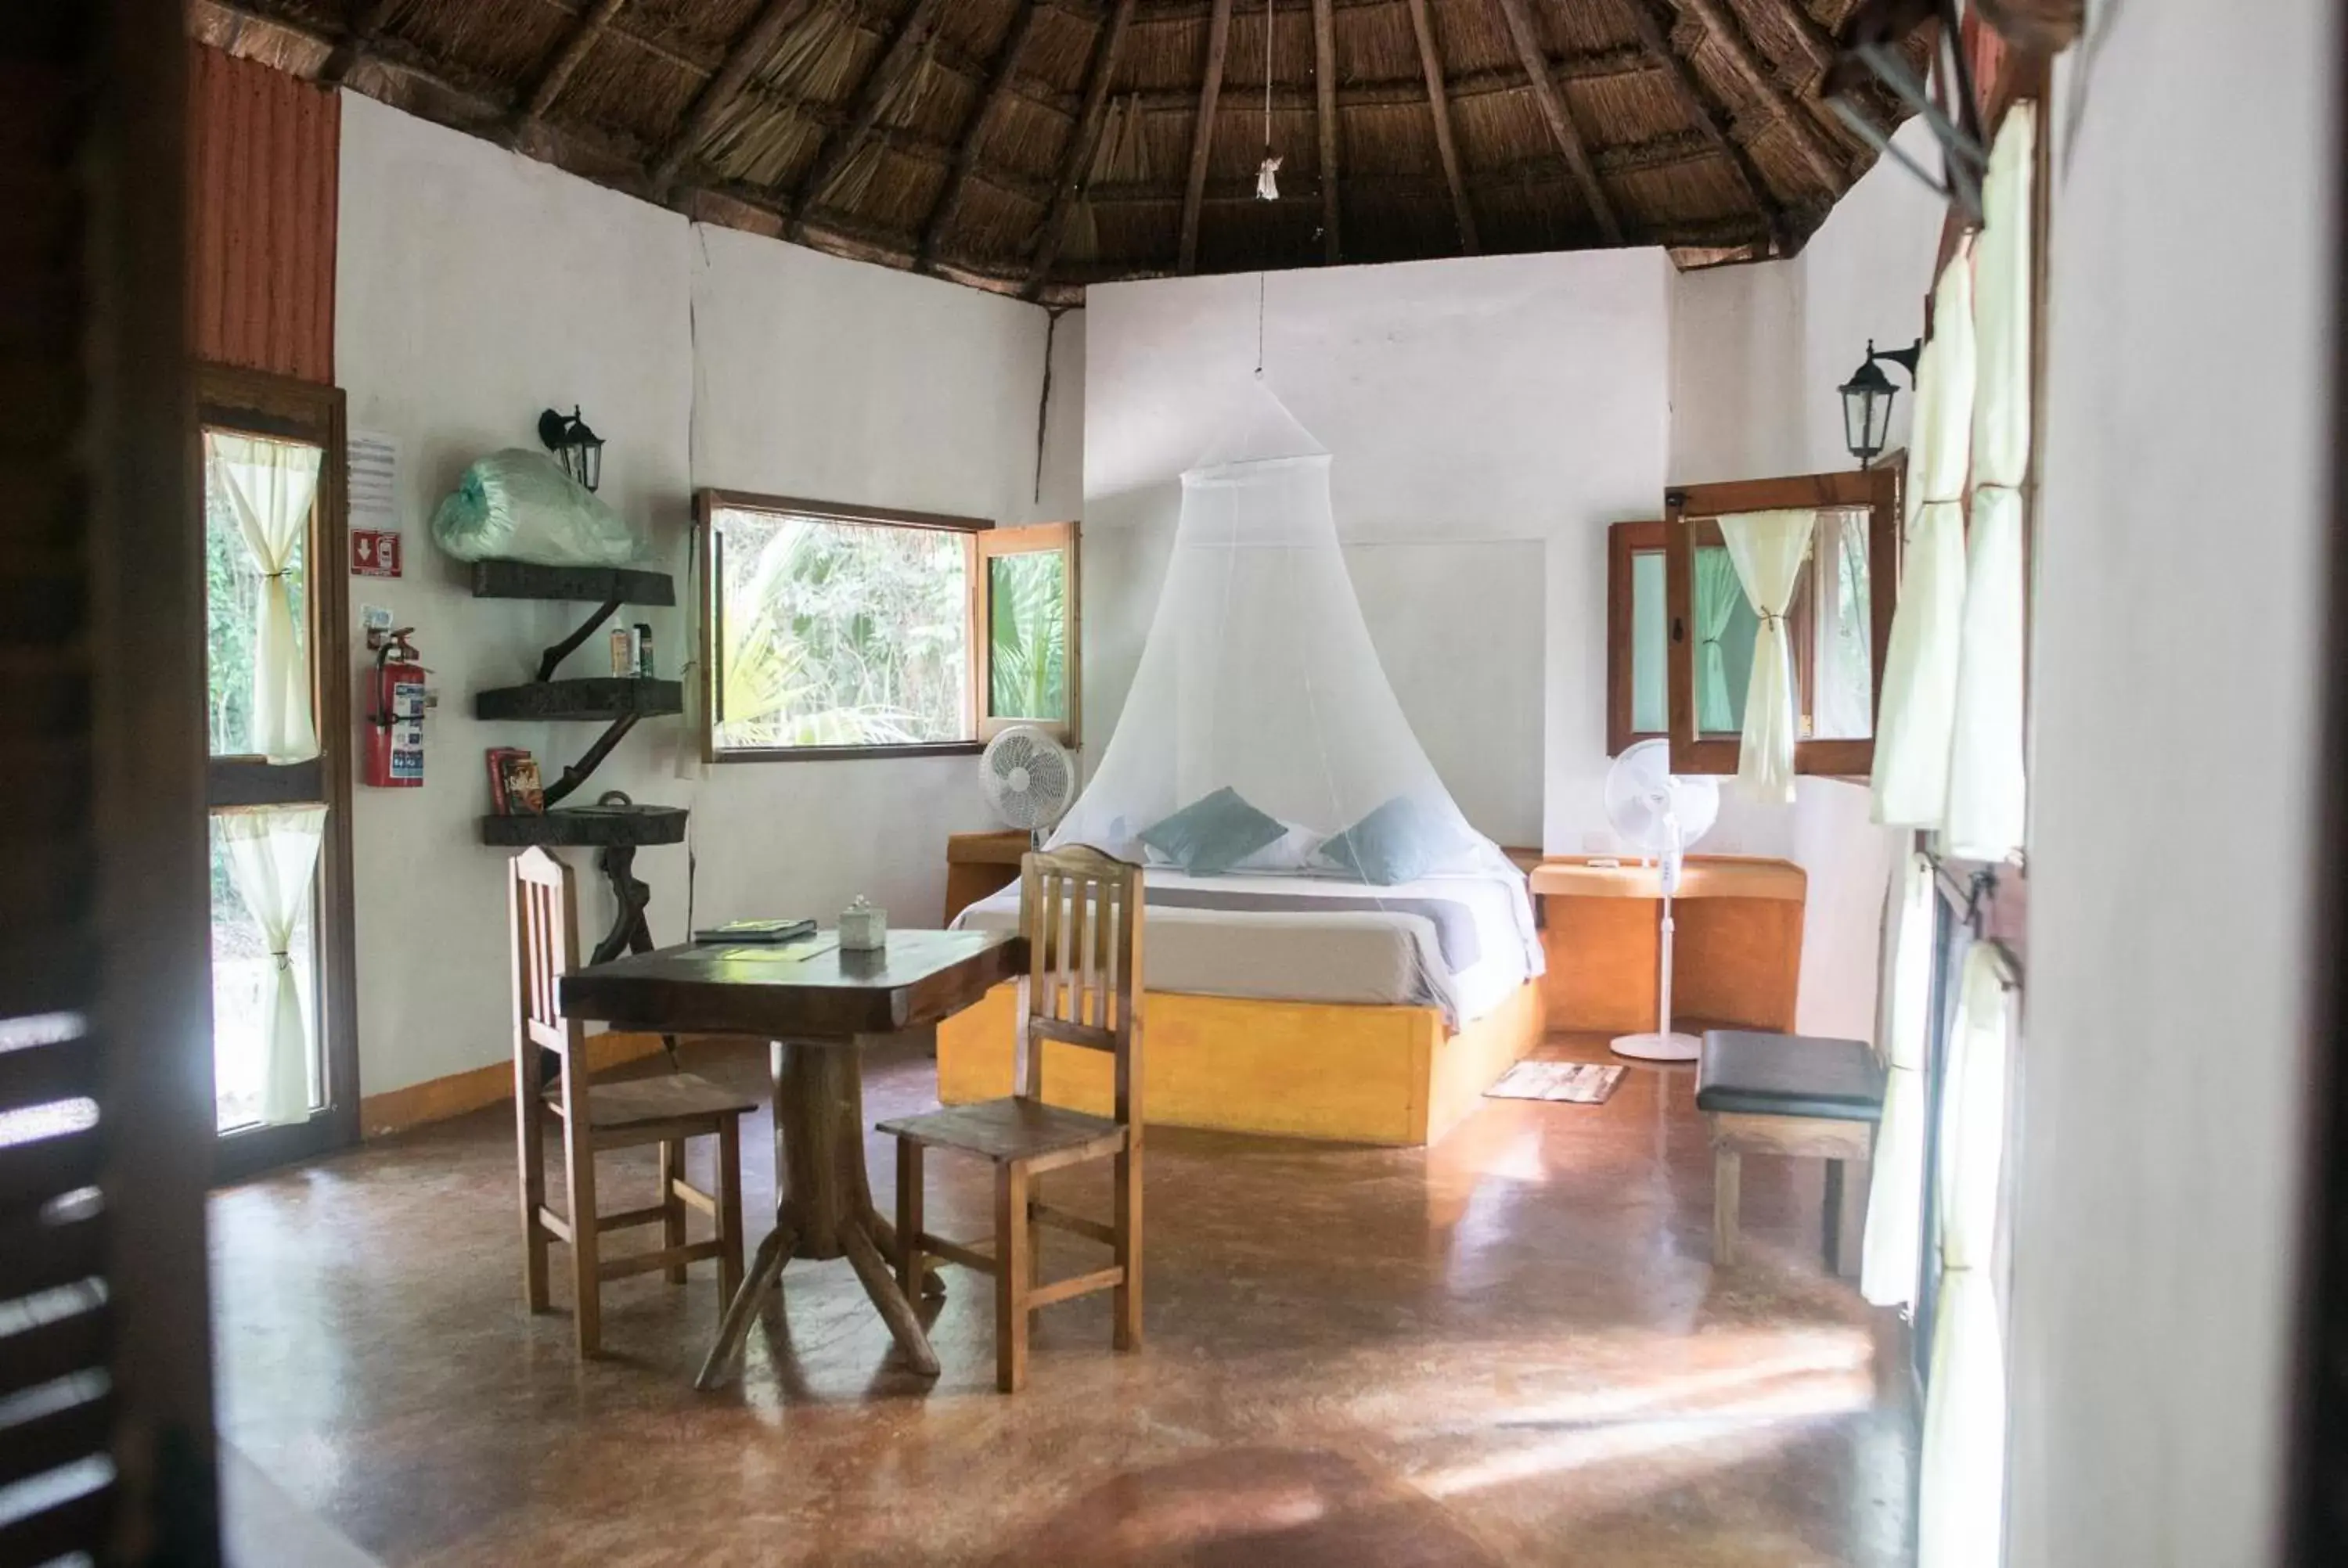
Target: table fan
x=1658, y=815
x=1029, y=778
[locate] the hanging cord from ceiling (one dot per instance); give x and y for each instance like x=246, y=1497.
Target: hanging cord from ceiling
x=1267, y=182
x=1043, y=399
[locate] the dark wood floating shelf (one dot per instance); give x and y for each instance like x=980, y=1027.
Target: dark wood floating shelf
x=597, y=697
x=581, y=584
x=601, y=826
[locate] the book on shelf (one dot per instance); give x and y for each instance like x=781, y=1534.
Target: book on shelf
x=514, y=787
x=761, y=931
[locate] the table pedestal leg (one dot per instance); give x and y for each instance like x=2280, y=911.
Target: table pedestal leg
x=765, y=1268
x=823, y=1206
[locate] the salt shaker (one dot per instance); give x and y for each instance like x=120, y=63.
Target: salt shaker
x=862, y=927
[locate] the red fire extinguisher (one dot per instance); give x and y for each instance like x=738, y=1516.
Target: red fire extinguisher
x=395, y=730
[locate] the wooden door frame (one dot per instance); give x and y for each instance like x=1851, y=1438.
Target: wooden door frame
x=261, y=404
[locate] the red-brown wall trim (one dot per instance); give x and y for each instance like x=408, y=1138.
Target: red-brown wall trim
x=265, y=159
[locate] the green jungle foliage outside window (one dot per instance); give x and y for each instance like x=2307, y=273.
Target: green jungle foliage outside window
x=1028, y=633
x=839, y=633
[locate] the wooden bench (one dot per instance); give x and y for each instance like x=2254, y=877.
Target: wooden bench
x=1788, y=1094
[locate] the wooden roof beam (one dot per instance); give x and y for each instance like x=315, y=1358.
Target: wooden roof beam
x=1324, y=120
x=1809, y=136
x=1534, y=55
x=974, y=135
x=1439, y=106
x=1202, y=135
x=576, y=46
x=873, y=97
x=1076, y=166
x=1819, y=46
x=751, y=50
x=1708, y=117
x=366, y=20
x=1816, y=43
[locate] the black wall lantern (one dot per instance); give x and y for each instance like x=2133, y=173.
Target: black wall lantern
x=1866, y=399
x=579, y=449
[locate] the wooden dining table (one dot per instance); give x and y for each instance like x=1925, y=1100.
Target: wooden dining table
x=817, y=1005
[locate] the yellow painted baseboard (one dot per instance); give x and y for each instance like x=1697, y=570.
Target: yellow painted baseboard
x=1305, y=1070
x=437, y=1098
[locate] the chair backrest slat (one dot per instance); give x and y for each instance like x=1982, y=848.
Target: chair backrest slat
x=544, y=910
x=1081, y=910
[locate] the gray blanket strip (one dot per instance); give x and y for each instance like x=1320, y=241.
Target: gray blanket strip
x=1455, y=923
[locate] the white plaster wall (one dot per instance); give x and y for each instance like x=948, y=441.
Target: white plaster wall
x=475, y=288
x=1489, y=418
x=1758, y=352
x=2181, y=557
x=837, y=380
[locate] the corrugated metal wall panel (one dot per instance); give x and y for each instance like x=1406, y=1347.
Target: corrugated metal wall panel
x=263, y=188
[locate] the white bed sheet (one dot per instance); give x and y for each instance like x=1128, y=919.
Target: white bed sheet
x=1377, y=956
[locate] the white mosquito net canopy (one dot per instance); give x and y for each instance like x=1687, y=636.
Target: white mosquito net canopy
x=1258, y=679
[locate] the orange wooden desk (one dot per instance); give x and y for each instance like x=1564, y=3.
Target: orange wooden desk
x=978, y=864
x=1738, y=942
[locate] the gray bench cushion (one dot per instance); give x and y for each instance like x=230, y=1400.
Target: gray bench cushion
x=1760, y=1074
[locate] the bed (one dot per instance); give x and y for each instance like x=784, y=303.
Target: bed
x=1458, y=944
x=1296, y=1004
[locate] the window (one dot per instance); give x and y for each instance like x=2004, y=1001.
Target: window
x=1027, y=664
x=1832, y=648
x=847, y=631
x=1637, y=702
x=277, y=780
x=1838, y=621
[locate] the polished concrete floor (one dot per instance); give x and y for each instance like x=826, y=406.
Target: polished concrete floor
x=1508, y=1349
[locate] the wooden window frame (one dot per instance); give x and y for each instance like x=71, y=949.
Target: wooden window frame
x=708, y=503
x=1035, y=538
x=1690, y=509
x=258, y=403
x=1624, y=543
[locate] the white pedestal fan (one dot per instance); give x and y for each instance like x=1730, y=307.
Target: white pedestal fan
x=1658, y=816
x=1029, y=779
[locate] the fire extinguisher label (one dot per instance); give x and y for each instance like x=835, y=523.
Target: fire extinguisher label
x=407, y=733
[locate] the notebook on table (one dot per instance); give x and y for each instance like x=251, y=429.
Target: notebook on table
x=755, y=931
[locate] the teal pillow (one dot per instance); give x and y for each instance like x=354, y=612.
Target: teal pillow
x=1396, y=843
x=1213, y=834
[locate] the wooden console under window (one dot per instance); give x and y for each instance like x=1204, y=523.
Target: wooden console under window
x=1737, y=947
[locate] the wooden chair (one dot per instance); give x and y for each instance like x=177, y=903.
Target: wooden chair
x=1788, y=1094
x=664, y=1111
x=1081, y=912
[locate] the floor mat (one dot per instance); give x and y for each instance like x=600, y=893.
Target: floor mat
x=1577, y=1082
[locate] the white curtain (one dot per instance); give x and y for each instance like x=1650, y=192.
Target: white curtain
x=1919, y=667
x=1986, y=797
x=270, y=486
x=272, y=852
x=1960, y=1505
x=1895, y=1198
x=1716, y=606
x=1768, y=549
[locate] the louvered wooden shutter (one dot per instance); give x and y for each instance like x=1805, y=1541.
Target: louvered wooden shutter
x=105, y=1408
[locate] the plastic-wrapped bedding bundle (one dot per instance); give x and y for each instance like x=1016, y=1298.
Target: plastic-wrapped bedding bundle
x=1260, y=733
x=519, y=505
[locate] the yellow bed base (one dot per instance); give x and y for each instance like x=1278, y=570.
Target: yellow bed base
x=1305, y=1070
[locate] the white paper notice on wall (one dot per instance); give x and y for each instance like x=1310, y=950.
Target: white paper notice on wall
x=372, y=473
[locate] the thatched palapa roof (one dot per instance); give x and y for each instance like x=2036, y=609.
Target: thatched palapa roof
x=1032, y=146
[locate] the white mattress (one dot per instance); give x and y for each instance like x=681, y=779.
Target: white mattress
x=1379, y=956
